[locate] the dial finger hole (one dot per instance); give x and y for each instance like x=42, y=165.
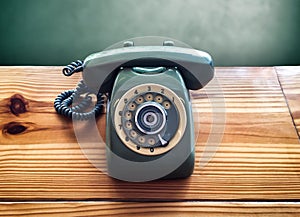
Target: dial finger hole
x=166, y=104
x=159, y=99
x=141, y=139
x=151, y=141
x=128, y=115
x=128, y=125
x=149, y=97
x=132, y=106
x=139, y=100
x=133, y=134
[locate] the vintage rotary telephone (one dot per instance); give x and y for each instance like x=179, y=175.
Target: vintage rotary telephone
x=149, y=113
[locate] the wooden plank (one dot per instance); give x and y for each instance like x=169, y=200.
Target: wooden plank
x=258, y=159
x=289, y=77
x=182, y=209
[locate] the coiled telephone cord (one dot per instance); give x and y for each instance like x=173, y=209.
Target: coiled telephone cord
x=63, y=102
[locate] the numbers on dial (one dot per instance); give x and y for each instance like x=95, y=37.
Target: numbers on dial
x=127, y=120
x=138, y=98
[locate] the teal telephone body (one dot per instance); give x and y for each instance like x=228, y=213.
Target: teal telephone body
x=149, y=119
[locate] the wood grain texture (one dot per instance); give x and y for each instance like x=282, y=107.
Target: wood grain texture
x=289, y=77
x=160, y=209
x=257, y=159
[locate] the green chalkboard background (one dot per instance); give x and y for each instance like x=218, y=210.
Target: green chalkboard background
x=234, y=32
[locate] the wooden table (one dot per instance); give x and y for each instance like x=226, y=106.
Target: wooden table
x=256, y=169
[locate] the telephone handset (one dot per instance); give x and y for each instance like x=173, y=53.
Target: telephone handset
x=196, y=67
x=149, y=115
